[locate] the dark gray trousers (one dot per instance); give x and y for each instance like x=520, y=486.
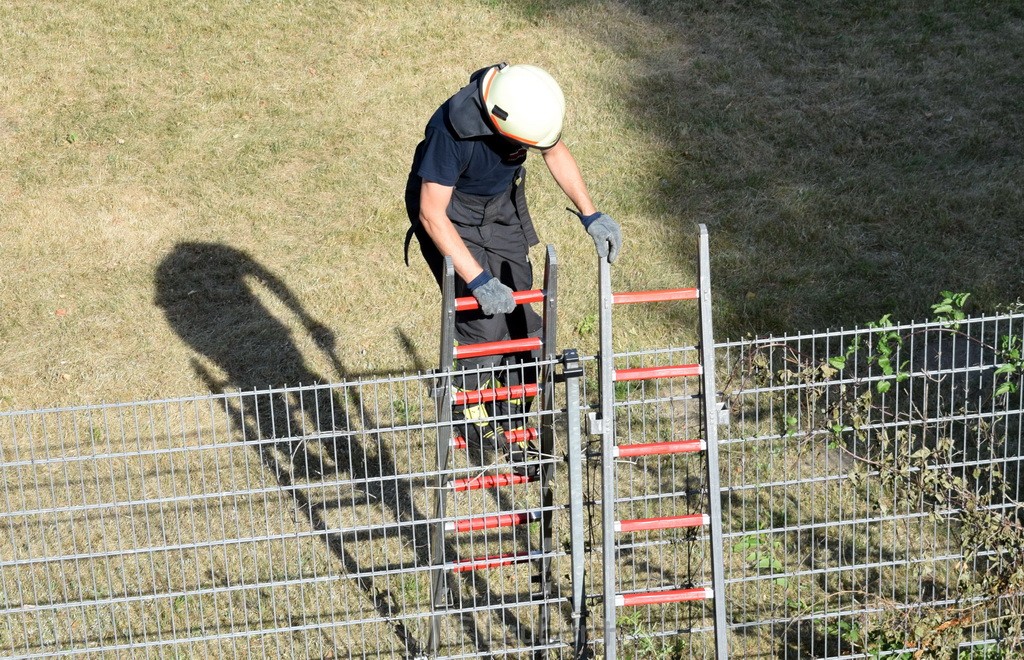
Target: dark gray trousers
x=502, y=246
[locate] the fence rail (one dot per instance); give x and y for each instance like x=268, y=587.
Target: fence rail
x=296, y=521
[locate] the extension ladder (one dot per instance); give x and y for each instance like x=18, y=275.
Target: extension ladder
x=603, y=423
x=444, y=547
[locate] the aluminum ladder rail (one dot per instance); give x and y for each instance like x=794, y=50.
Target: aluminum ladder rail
x=446, y=398
x=604, y=424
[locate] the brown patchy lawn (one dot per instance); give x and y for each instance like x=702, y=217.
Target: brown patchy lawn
x=190, y=192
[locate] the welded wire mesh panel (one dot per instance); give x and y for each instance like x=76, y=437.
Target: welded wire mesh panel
x=870, y=484
x=292, y=522
x=226, y=526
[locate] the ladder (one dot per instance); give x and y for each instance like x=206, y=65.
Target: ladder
x=707, y=523
x=445, y=549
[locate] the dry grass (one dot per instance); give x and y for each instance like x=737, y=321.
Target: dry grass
x=188, y=189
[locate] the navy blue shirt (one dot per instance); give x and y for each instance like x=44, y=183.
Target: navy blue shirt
x=483, y=165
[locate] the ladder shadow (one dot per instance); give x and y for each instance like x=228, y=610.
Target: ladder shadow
x=209, y=295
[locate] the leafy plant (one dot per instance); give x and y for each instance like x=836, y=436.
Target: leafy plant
x=883, y=351
x=951, y=308
x=791, y=425
x=848, y=631
x=885, y=347
x=761, y=554
x=402, y=411
x=587, y=325
x=1012, y=367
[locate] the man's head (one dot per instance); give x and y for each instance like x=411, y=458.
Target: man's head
x=524, y=104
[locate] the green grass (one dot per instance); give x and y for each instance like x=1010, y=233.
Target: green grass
x=850, y=159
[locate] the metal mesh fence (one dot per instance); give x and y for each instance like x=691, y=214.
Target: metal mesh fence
x=857, y=468
x=871, y=481
x=291, y=522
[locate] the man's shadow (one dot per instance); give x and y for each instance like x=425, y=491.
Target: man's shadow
x=210, y=295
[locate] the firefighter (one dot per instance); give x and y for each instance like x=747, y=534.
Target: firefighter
x=466, y=197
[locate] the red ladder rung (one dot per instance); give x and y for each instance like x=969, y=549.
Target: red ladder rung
x=669, y=522
x=659, y=448
x=662, y=597
x=496, y=394
x=521, y=435
x=651, y=373
x=516, y=435
x=492, y=561
x=662, y=295
x=520, y=297
x=489, y=481
x=491, y=522
x=498, y=347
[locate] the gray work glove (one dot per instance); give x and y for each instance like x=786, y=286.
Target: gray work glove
x=493, y=296
x=606, y=234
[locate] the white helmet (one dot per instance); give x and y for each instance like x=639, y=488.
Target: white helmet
x=524, y=104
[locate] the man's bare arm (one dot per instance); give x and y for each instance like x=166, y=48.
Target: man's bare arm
x=434, y=199
x=567, y=175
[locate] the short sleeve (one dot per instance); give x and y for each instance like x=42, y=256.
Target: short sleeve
x=441, y=159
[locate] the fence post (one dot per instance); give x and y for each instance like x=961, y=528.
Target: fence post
x=571, y=373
